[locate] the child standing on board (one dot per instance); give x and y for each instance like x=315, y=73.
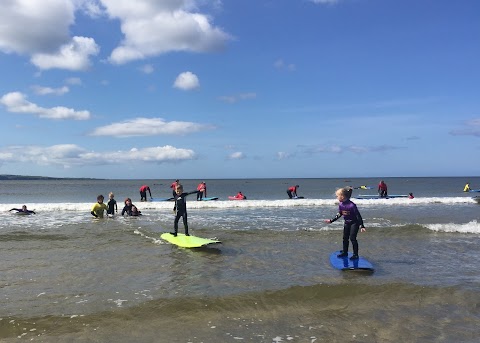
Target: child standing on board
x=353, y=221
x=112, y=204
x=180, y=209
x=99, y=207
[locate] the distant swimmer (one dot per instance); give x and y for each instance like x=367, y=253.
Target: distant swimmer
x=292, y=191
x=99, y=207
x=22, y=210
x=382, y=189
x=143, y=192
x=467, y=187
x=410, y=196
x=362, y=187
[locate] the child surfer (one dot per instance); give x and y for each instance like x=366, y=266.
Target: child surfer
x=353, y=221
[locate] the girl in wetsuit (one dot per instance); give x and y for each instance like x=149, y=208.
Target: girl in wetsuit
x=353, y=221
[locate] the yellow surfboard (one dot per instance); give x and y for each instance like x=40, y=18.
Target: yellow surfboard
x=187, y=241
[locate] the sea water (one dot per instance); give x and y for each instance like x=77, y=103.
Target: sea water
x=67, y=277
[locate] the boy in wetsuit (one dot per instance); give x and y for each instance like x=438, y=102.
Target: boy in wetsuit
x=112, y=204
x=353, y=221
x=180, y=209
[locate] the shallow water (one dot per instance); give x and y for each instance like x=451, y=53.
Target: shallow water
x=68, y=277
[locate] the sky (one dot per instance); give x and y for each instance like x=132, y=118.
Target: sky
x=205, y=89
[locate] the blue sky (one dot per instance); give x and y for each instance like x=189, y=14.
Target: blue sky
x=240, y=89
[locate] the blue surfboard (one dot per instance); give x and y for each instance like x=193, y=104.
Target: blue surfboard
x=474, y=190
x=209, y=199
x=345, y=263
x=379, y=197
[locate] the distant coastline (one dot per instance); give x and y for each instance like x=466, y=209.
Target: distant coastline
x=27, y=177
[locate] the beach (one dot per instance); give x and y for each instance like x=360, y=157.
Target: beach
x=67, y=277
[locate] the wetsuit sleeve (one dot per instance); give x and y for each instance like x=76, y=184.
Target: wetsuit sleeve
x=359, y=217
x=338, y=215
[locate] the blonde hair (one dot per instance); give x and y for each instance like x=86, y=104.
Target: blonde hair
x=345, y=191
x=111, y=195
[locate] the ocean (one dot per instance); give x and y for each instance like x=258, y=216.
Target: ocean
x=67, y=277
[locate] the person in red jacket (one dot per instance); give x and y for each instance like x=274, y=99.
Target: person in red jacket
x=143, y=192
x=292, y=191
x=382, y=189
x=202, y=190
x=173, y=186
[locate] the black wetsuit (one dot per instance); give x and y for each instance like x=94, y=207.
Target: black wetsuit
x=127, y=209
x=111, y=206
x=181, y=211
x=20, y=210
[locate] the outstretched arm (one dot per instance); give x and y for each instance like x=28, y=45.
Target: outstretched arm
x=338, y=215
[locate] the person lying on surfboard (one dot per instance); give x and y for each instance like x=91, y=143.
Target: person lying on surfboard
x=180, y=209
x=22, y=210
x=240, y=196
x=353, y=221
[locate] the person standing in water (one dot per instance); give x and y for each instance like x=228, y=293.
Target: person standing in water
x=382, y=189
x=292, y=191
x=353, y=221
x=143, y=192
x=99, y=207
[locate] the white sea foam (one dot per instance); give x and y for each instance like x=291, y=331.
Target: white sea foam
x=226, y=204
x=470, y=227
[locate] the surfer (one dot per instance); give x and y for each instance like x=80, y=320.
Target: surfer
x=173, y=186
x=201, y=190
x=143, y=192
x=240, y=196
x=410, y=196
x=112, y=204
x=99, y=207
x=353, y=221
x=382, y=189
x=292, y=191
x=22, y=210
x=180, y=209
x=467, y=187
x=129, y=208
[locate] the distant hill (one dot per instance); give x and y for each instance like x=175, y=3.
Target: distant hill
x=27, y=177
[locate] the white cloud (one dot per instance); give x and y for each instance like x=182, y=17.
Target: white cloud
x=186, y=81
x=48, y=90
x=74, y=55
x=16, y=102
x=153, y=27
x=338, y=149
x=472, y=129
x=238, y=155
x=281, y=155
x=35, y=26
x=68, y=155
x=280, y=64
x=235, y=98
x=147, y=69
x=149, y=127
x=74, y=81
